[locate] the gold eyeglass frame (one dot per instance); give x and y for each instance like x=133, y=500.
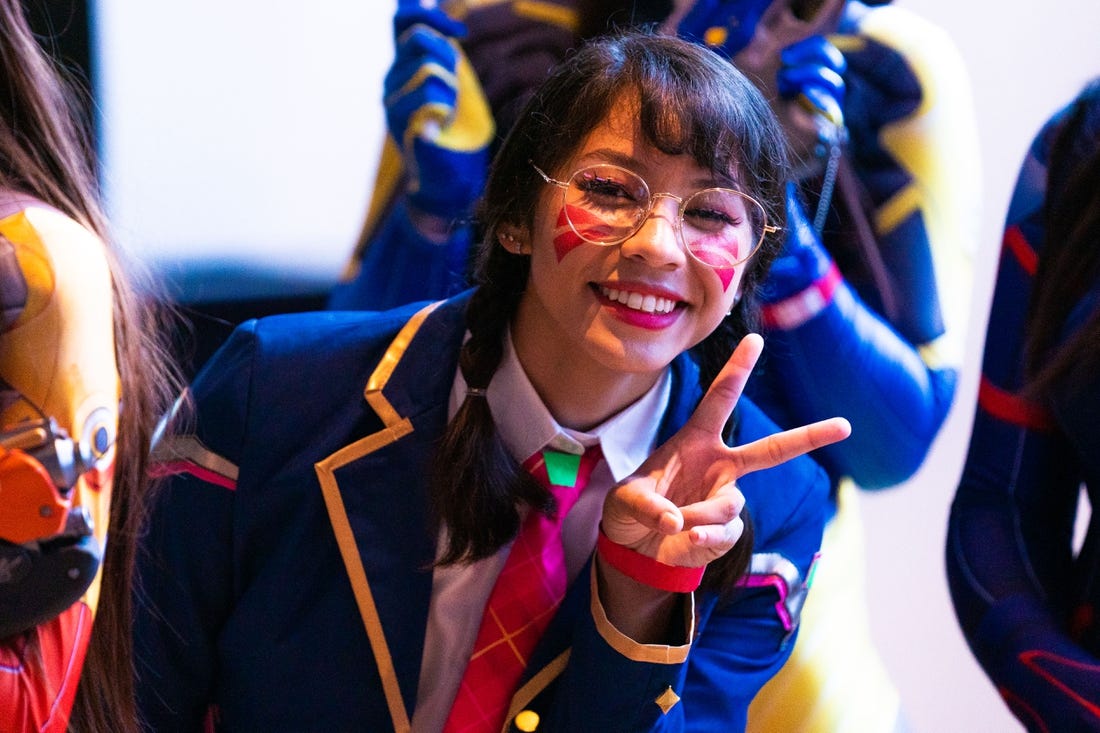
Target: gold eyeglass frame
x=765, y=228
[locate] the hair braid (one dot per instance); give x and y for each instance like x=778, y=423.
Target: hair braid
x=476, y=484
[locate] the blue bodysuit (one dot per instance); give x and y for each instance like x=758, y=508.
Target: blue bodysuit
x=1026, y=603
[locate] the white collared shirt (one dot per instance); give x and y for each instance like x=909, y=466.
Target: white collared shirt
x=460, y=592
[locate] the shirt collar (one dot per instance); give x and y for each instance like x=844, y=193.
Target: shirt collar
x=626, y=439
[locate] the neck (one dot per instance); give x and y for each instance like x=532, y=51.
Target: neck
x=579, y=394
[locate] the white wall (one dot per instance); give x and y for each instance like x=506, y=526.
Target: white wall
x=245, y=129
x=254, y=127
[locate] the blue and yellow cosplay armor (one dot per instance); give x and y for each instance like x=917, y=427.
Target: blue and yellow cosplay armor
x=876, y=334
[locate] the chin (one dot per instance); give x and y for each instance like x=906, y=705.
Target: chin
x=634, y=358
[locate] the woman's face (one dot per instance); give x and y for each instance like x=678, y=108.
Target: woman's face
x=626, y=310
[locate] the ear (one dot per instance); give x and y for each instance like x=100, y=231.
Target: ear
x=514, y=239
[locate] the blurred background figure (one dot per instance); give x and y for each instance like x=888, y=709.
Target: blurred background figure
x=1025, y=595
x=865, y=309
x=75, y=337
x=874, y=275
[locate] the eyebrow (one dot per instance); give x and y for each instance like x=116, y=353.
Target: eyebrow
x=625, y=160
x=609, y=155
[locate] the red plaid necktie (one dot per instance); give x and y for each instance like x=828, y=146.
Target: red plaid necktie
x=526, y=595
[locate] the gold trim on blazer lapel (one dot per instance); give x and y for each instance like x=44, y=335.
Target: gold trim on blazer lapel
x=531, y=689
x=396, y=427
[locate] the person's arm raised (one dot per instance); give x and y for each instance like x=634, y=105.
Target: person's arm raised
x=682, y=509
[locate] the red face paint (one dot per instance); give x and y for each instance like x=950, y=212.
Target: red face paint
x=594, y=228
x=565, y=239
x=726, y=276
x=715, y=252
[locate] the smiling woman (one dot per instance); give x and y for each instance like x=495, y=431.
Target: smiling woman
x=587, y=341
x=507, y=433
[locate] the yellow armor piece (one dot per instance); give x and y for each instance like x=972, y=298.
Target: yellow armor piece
x=834, y=680
x=60, y=353
x=938, y=146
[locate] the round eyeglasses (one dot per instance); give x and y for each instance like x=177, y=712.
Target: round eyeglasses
x=606, y=204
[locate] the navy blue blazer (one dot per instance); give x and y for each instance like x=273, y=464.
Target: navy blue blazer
x=285, y=575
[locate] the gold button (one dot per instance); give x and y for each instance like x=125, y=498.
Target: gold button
x=527, y=721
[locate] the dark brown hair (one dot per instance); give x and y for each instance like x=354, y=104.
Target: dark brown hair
x=1069, y=265
x=690, y=101
x=45, y=152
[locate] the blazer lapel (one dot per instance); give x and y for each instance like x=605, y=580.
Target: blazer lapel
x=375, y=492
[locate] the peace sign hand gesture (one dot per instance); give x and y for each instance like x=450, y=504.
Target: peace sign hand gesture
x=682, y=506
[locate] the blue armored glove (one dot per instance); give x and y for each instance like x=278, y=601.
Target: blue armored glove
x=437, y=113
x=811, y=73
x=810, y=68
x=803, y=277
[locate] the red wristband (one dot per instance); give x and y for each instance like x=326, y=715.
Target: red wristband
x=646, y=570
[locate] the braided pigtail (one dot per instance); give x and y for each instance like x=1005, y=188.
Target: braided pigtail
x=710, y=356
x=476, y=484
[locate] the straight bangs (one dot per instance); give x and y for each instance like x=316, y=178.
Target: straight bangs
x=685, y=113
x=688, y=99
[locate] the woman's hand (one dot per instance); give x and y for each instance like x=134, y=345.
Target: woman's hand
x=682, y=506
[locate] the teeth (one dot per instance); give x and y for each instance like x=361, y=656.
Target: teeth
x=637, y=301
